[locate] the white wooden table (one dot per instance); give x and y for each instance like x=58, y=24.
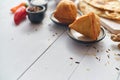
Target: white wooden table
x=45, y=52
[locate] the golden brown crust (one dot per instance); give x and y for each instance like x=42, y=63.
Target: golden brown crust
x=66, y=11
x=88, y=25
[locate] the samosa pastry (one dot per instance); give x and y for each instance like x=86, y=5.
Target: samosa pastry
x=88, y=25
x=66, y=11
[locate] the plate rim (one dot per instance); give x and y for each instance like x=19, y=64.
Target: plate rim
x=86, y=42
x=59, y=23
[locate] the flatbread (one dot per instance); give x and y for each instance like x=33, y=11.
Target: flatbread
x=86, y=8
x=110, y=5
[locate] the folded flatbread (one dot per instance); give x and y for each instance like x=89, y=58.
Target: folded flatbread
x=110, y=5
x=88, y=25
x=86, y=8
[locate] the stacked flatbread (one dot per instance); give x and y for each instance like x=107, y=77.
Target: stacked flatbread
x=105, y=8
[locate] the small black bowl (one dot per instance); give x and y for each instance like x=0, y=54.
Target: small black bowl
x=39, y=3
x=36, y=16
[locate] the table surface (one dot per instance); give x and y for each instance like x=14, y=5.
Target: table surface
x=45, y=52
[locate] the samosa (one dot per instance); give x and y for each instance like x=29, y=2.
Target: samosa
x=88, y=25
x=66, y=11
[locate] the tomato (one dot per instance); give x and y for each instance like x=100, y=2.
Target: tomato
x=20, y=15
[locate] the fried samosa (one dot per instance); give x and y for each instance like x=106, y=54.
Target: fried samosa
x=88, y=25
x=66, y=11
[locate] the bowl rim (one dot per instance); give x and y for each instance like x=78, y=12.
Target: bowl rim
x=46, y=1
x=42, y=10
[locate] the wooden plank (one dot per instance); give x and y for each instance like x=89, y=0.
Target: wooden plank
x=100, y=63
x=21, y=45
x=59, y=62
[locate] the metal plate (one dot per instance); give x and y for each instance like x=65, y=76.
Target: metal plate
x=59, y=23
x=83, y=39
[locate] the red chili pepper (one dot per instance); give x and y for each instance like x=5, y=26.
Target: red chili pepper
x=20, y=15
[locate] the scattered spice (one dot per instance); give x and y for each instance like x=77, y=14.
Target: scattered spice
x=56, y=33
x=77, y=62
x=108, y=56
x=71, y=58
x=117, y=68
x=108, y=49
x=97, y=50
x=94, y=47
x=118, y=54
x=98, y=58
x=53, y=35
